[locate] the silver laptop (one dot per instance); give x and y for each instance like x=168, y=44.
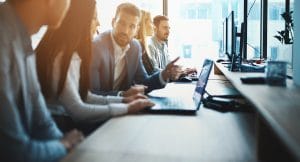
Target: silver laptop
x=182, y=104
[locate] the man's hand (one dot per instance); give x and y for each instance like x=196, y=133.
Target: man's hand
x=134, y=97
x=71, y=139
x=189, y=71
x=138, y=105
x=133, y=90
x=172, y=71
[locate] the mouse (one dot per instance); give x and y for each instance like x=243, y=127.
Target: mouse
x=220, y=60
x=184, y=79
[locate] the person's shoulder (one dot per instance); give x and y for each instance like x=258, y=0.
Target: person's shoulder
x=151, y=41
x=102, y=37
x=135, y=44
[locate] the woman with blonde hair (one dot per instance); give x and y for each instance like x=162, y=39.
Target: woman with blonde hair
x=145, y=31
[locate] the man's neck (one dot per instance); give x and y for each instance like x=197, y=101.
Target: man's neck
x=29, y=15
x=159, y=40
x=115, y=43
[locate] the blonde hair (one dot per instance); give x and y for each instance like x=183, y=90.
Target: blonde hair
x=142, y=32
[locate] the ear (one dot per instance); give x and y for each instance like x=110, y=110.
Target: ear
x=155, y=29
x=113, y=21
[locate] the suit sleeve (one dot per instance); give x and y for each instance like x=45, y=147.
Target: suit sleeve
x=16, y=143
x=141, y=77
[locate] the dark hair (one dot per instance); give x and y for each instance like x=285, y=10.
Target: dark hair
x=74, y=35
x=157, y=19
x=128, y=8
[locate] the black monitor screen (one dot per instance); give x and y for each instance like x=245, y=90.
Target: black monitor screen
x=224, y=42
x=231, y=35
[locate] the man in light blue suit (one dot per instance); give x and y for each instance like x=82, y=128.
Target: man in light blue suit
x=27, y=131
x=117, y=65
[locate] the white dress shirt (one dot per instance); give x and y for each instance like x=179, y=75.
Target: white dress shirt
x=96, y=107
x=120, y=63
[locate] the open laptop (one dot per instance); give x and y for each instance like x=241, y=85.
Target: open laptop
x=183, y=103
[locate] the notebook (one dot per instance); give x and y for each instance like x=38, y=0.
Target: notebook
x=182, y=103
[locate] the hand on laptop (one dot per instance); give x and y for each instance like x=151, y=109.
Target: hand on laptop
x=134, y=97
x=172, y=71
x=190, y=71
x=133, y=90
x=138, y=105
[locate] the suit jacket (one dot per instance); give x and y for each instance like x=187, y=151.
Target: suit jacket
x=27, y=131
x=103, y=67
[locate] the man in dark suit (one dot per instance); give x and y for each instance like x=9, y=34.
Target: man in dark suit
x=117, y=65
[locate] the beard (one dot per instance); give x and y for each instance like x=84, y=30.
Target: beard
x=122, y=39
x=166, y=36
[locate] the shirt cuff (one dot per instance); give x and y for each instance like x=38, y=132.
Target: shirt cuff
x=118, y=109
x=162, y=80
x=114, y=99
x=120, y=93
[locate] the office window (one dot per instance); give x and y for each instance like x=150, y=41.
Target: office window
x=274, y=53
x=187, y=51
x=224, y=9
x=255, y=10
x=276, y=49
x=195, y=11
x=274, y=12
x=196, y=28
x=253, y=29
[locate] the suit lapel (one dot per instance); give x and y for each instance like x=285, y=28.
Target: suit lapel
x=111, y=59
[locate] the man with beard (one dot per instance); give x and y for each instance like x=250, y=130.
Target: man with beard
x=117, y=67
x=158, y=47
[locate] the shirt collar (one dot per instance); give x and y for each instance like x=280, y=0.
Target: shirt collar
x=158, y=43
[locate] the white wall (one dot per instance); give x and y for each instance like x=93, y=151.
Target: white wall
x=296, y=52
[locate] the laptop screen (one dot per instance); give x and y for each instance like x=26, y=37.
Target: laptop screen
x=201, y=84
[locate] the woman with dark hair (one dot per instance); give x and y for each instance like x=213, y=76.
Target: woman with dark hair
x=63, y=62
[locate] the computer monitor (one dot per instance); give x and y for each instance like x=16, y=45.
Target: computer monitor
x=241, y=36
x=225, y=37
x=231, y=39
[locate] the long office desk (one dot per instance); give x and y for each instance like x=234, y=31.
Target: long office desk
x=206, y=136
x=278, y=109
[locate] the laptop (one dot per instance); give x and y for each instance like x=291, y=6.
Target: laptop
x=183, y=103
x=222, y=88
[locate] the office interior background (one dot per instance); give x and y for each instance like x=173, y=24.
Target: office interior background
x=197, y=30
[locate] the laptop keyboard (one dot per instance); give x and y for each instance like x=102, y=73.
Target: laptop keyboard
x=171, y=103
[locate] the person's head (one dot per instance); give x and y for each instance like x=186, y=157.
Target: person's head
x=145, y=26
x=74, y=35
x=161, y=27
x=47, y=12
x=125, y=23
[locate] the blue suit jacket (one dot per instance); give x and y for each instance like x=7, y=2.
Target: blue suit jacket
x=103, y=67
x=27, y=131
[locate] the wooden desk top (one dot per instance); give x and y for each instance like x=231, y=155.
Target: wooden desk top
x=207, y=136
x=279, y=106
